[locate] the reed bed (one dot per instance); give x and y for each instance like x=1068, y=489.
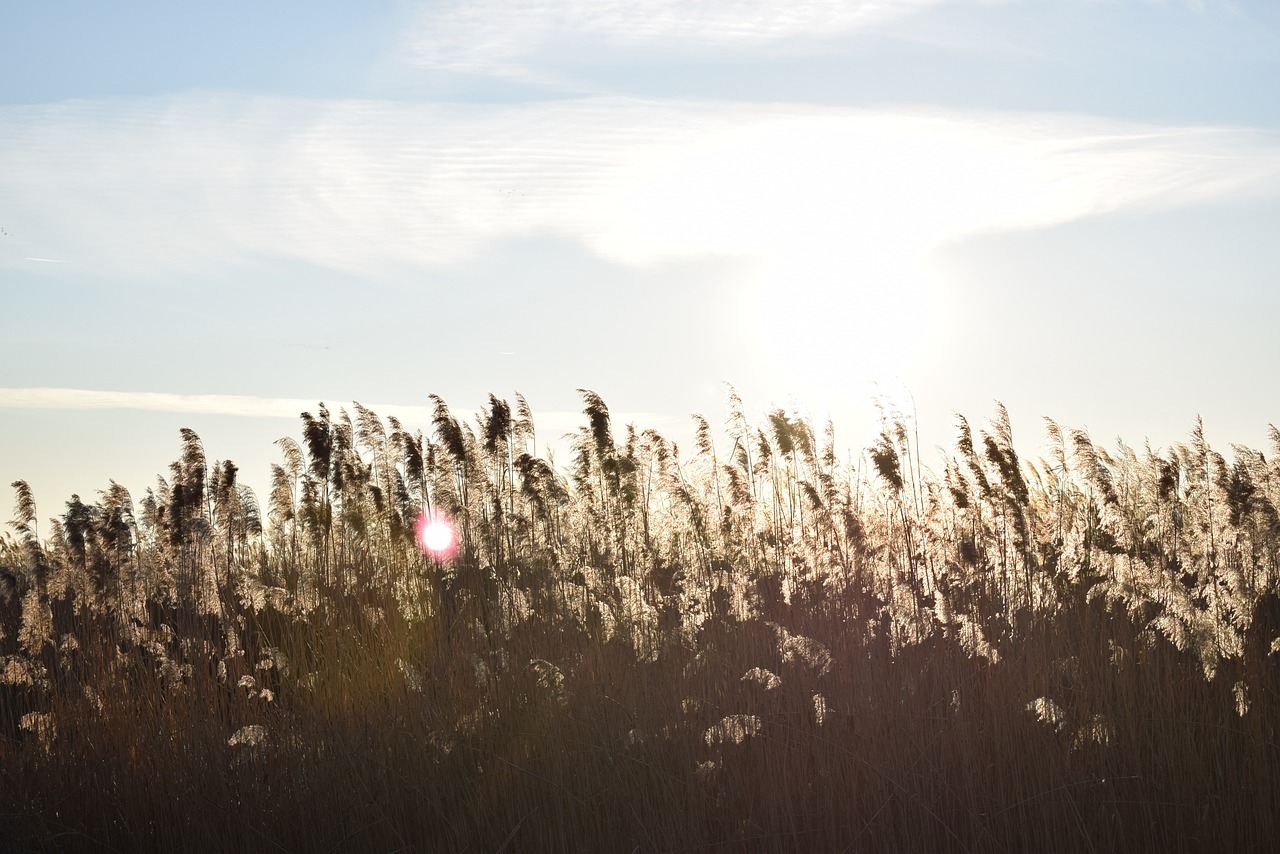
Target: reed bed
x=758, y=643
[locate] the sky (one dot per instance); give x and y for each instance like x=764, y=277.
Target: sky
x=218, y=215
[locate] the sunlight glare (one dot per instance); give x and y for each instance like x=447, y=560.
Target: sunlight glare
x=436, y=535
x=837, y=218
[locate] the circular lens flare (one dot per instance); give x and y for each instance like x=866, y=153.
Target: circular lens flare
x=436, y=535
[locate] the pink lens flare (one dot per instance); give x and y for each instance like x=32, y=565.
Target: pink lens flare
x=436, y=535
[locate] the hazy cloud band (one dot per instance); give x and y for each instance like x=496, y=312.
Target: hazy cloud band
x=265, y=407
x=189, y=183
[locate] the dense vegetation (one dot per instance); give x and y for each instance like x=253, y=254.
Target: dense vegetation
x=751, y=645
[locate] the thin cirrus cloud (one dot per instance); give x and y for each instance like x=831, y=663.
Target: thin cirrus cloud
x=247, y=406
x=498, y=37
x=526, y=39
x=194, y=404
x=147, y=188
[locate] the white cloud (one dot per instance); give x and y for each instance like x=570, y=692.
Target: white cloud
x=498, y=36
x=196, y=404
x=784, y=181
x=537, y=41
x=170, y=186
x=550, y=423
x=835, y=207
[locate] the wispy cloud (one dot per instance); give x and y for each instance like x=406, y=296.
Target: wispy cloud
x=150, y=188
x=195, y=404
x=537, y=40
x=498, y=36
x=550, y=423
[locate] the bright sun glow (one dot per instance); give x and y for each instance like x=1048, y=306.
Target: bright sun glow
x=838, y=215
x=436, y=535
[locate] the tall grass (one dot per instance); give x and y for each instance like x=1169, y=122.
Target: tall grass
x=757, y=645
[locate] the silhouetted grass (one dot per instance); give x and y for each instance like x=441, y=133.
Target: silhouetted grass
x=758, y=646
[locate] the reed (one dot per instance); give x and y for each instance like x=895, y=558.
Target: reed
x=758, y=647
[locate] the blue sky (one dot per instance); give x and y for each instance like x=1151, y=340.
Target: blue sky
x=214, y=216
